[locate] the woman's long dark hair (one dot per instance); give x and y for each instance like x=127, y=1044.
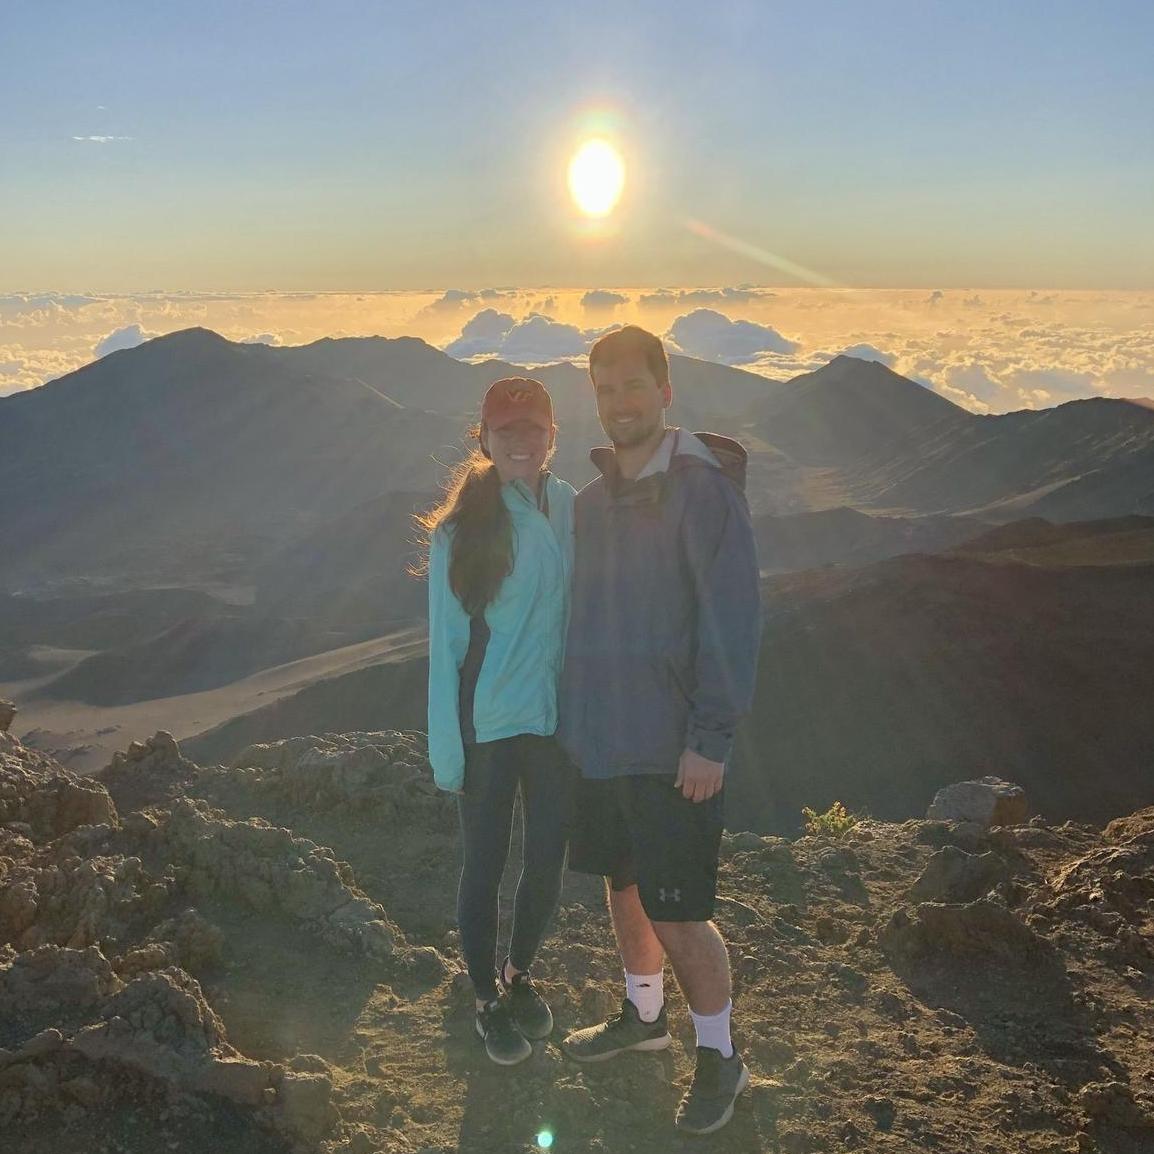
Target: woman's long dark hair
x=482, y=549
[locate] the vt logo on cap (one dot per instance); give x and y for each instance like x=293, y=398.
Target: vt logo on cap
x=516, y=399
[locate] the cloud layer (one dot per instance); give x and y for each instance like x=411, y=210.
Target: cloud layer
x=712, y=336
x=989, y=350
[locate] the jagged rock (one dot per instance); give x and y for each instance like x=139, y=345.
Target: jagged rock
x=7, y=713
x=982, y=928
x=82, y=802
x=743, y=840
x=144, y=959
x=46, y=1042
x=159, y=1022
x=84, y=1091
x=1136, y=825
x=198, y=944
x=151, y=772
x=237, y=1078
x=988, y=801
x=52, y=987
x=355, y=772
x=51, y=801
x=966, y=835
x=304, y=1103
x=952, y=875
x=1116, y=1104
x=76, y=901
x=1116, y=878
x=269, y=869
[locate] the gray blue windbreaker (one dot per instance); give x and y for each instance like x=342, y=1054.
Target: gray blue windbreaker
x=497, y=676
x=664, y=631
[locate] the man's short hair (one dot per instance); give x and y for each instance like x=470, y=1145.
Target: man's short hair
x=626, y=341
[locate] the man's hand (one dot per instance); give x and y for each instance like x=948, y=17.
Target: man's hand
x=698, y=778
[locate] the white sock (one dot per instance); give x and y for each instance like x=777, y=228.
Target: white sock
x=713, y=1030
x=647, y=993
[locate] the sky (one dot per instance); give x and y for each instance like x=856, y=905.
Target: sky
x=962, y=190
x=242, y=146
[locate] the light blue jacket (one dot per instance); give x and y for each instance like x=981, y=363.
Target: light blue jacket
x=516, y=690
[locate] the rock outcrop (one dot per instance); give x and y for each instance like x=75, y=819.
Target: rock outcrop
x=385, y=773
x=258, y=958
x=988, y=801
x=270, y=870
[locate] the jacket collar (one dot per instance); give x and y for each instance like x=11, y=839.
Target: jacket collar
x=538, y=499
x=682, y=450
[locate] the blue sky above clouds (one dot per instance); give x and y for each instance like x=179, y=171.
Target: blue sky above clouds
x=244, y=146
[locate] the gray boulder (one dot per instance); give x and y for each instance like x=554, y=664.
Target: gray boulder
x=952, y=875
x=987, y=802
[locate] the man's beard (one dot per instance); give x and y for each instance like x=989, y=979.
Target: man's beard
x=631, y=436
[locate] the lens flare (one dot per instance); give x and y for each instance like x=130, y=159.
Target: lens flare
x=544, y=1140
x=596, y=177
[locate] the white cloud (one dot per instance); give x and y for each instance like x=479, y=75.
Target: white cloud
x=712, y=336
x=865, y=352
x=680, y=298
x=262, y=339
x=1041, y=388
x=35, y=308
x=127, y=337
x=534, y=340
x=599, y=300
x=101, y=139
x=482, y=335
x=539, y=338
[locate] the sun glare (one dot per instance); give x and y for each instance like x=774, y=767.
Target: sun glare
x=596, y=177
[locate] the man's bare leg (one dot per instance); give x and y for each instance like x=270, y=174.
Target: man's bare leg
x=700, y=960
x=641, y=950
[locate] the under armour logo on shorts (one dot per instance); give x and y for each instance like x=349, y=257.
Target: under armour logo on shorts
x=662, y=892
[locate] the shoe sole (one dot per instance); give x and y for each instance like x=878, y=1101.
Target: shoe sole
x=504, y=1061
x=650, y=1044
x=742, y=1084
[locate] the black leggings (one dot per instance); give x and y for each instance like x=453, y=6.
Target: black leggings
x=494, y=770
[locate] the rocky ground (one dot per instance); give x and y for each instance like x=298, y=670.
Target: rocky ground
x=262, y=958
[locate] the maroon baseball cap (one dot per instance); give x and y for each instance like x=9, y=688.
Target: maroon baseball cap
x=516, y=399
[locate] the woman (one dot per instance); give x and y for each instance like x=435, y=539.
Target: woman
x=500, y=558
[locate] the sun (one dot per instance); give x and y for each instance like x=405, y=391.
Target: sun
x=596, y=177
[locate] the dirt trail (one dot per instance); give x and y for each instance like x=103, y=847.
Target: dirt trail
x=88, y=735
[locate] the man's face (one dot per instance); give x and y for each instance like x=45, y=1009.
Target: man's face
x=630, y=402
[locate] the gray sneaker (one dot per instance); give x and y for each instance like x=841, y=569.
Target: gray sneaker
x=717, y=1081
x=530, y=1011
x=504, y=1043
x=624, y=1031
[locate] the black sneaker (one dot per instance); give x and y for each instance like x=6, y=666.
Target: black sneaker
x=624, y=1031
x=504, y=1043
x=717, y=1081
x=530, y=1011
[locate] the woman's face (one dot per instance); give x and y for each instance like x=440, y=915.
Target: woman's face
x=519, y=450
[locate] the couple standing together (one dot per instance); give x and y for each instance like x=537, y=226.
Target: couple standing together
x=615, y=631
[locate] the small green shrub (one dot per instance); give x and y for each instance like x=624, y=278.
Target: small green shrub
x=833, y=823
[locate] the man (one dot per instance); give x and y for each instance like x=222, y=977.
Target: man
x=660, y=664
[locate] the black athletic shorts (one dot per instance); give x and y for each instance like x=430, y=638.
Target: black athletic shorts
x=641, y=830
